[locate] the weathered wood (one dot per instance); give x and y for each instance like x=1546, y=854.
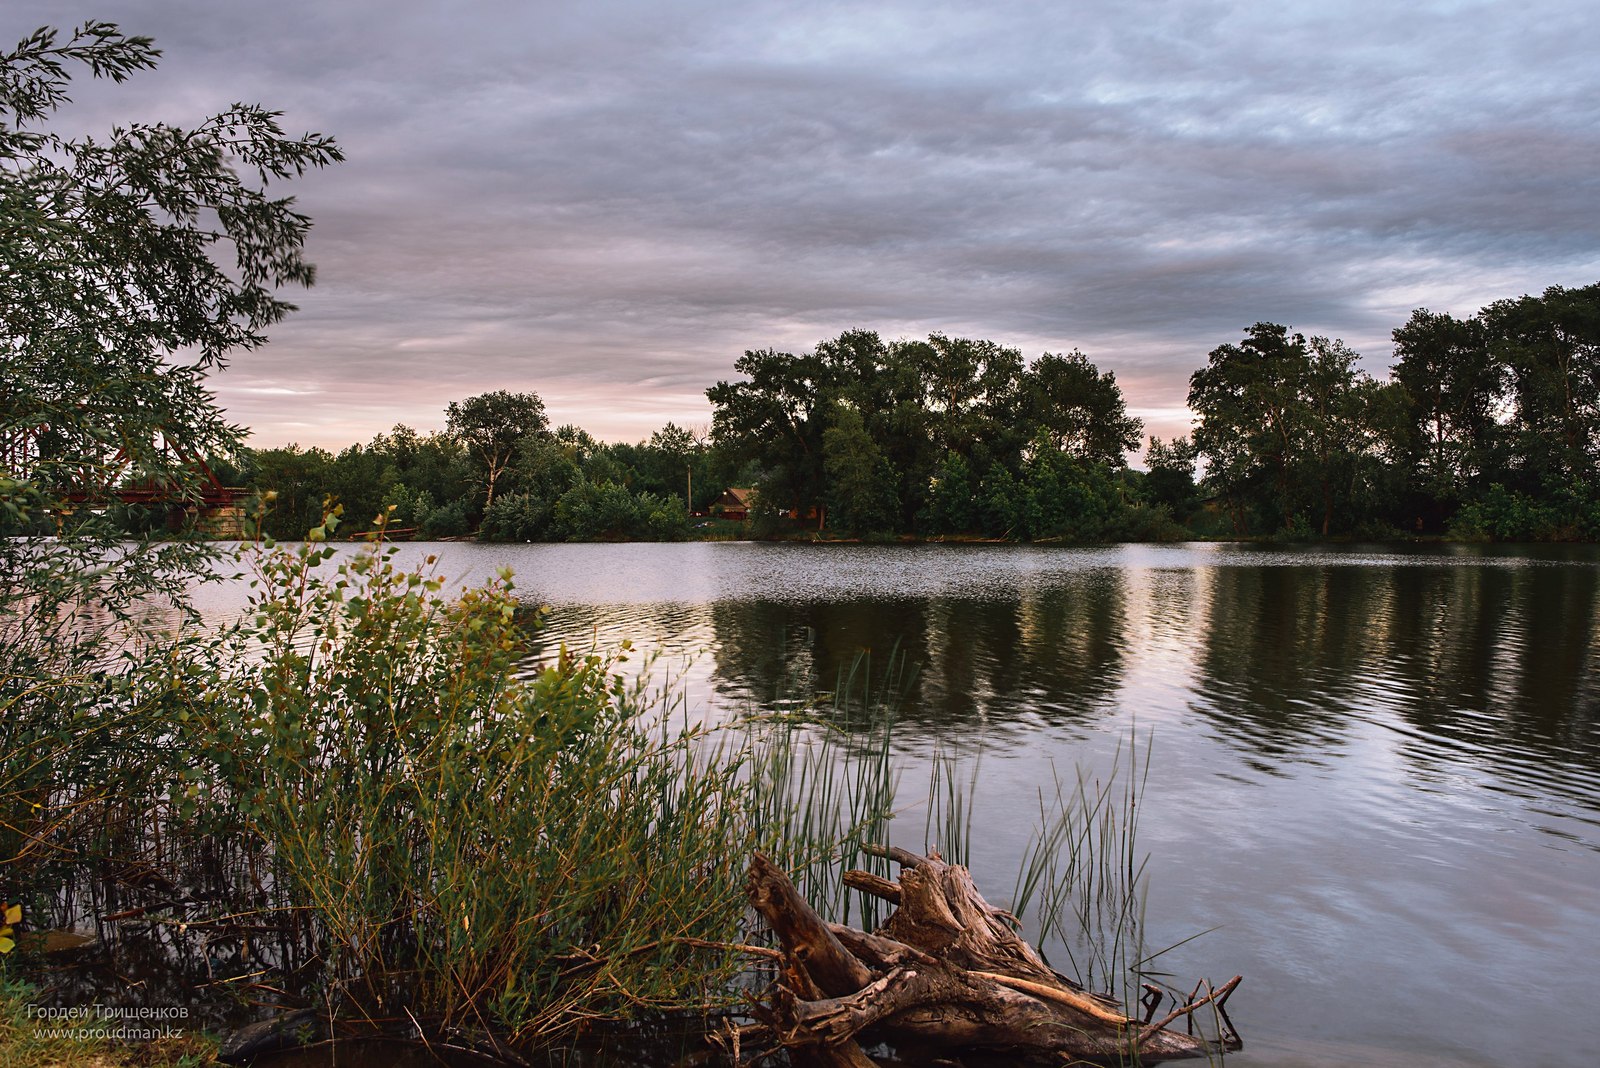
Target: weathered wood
x=947, y=969
x=879, y=953
x=876, y=885
x=805, y=938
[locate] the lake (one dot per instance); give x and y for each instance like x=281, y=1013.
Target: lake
x=1375, y=770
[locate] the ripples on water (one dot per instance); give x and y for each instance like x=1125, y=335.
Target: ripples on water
x=1377, y=769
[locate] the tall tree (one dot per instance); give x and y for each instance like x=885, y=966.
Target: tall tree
x=777, y=417
x=131, y=266
x=1551, y=348
x=1081, y=410
x=1334, y=430
x=1244, y=399
x=1454, y=386
x=491, y=425
x=861, y=480
x=882, y=383
x=294, y=482
x=1170, y=481
x=974, y=392
x=1284, y=425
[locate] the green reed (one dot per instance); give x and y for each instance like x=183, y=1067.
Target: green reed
x=1082, y=880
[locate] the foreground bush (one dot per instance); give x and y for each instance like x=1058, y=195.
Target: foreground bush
x=450, y=832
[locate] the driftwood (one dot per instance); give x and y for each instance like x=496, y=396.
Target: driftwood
x=947, y=970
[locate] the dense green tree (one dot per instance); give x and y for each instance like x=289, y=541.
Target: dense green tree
x=671, y=462
x=605, y=511
x=881, y=434
x=1384, y=493
x=1058, y=496
x=776, y=418
x=861, y=481
x=1550, y=346
x=1284, y=425
x=293, y=483
x=490, y=425
x=1244, y=400
x=973, y=390
x=545, y=468
x=1080, y=409
x=883, y=384
x=953, y=505
x=1333, y=429
x=1170, y=481
x=518, y=517
x=360, y=480
x=431, y=465
x=1454, y=388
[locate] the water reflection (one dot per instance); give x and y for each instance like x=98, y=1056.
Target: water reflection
x=1482, y=659
x=963, y=665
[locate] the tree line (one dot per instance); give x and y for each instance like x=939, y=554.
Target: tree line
x=497, y=470
x=1487, y=427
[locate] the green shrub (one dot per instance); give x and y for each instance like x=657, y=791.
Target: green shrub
x=1502, y=514
x=517, y=517
x=457, y=835
x=607, y=511
x=447, y=521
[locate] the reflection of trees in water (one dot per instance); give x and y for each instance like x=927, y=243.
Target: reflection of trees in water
x=1279, y=655
x=1173, y=607
x=1502, y=662
x=1494, y=667
x=674, y=634
x=771, y=651
x=1054, y=655
x=1499, y=662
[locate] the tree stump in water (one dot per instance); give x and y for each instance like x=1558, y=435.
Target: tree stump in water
x=946, y=970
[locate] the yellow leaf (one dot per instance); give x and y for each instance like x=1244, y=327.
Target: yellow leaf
x=6, y=944
x=13, y=915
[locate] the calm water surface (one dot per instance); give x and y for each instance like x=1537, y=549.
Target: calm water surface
x=1377, y=771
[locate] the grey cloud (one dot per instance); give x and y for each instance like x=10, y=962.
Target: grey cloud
x=608, y=202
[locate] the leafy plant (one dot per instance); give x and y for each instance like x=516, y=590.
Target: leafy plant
x=458, y=835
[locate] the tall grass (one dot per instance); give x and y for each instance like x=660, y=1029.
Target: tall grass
x=1083, y=881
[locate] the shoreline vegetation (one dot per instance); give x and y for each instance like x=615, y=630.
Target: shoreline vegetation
x=1488, y=429
x=355, y=803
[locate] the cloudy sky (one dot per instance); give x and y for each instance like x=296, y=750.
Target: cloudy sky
x=606, y=203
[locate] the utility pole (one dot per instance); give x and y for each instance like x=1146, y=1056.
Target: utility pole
x=688, y=500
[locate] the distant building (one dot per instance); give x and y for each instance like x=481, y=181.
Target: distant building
x=734, y=504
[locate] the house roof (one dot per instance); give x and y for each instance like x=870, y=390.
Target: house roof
x=741, y=496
